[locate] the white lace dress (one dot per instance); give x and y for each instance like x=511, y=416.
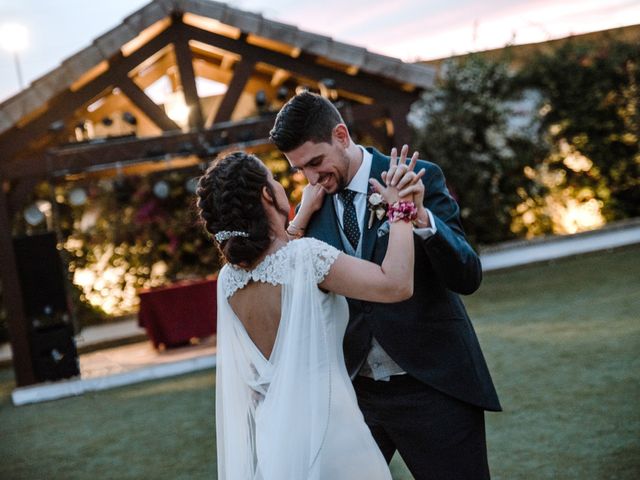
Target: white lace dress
x=293, y=416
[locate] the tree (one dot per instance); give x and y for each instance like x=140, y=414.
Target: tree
x=591, y=102
x=482, y=130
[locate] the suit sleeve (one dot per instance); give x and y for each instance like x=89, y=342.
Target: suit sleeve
x=448, y=251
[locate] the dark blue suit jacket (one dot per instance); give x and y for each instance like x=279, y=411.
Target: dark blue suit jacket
x=429, y=335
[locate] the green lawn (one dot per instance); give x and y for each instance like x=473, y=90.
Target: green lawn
x=562, y=341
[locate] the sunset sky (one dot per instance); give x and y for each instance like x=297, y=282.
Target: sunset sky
x=408, y=29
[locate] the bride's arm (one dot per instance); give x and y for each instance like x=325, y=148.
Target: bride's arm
x=387, y=283
x=393, y=280
x=312, y=197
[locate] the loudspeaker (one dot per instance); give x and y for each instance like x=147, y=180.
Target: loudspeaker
x=41, y=279
x=54, y=353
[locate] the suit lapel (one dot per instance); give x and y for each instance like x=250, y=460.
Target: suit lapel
x=379, y=164
x=324, y=225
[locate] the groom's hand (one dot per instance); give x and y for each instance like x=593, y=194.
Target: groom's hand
x=403, y=177
x=389, y=191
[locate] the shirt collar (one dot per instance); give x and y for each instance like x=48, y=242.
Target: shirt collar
x=360, y=181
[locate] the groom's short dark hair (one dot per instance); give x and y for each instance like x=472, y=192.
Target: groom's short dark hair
x=305, y=117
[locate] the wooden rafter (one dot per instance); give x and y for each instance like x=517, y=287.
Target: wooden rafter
x=241, y=74
x=75, y=158
x=184, y=59
x=304, y=65
x=14, y=140
x=144, y=103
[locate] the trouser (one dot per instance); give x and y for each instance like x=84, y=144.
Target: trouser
x=439, y=437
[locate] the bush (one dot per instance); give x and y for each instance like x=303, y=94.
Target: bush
x=481, y=128
x=553, y=148
x=591, y=96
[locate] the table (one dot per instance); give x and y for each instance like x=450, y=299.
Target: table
x=177, y=314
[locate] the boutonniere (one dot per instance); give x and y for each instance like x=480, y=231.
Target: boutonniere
x=377, y=207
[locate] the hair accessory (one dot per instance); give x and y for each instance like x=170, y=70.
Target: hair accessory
x=223, y=235
x=406, y=211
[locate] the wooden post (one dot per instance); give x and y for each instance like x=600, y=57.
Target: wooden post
x=12, y=293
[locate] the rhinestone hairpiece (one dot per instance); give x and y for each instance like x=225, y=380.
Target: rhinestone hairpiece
x=226, y=235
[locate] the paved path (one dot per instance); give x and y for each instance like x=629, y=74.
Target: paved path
x=119, y=366
x=522, y=252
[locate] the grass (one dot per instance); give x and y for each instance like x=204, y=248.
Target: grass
x=562, y=341
x=160, y=429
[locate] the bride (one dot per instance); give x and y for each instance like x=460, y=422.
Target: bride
x=285, y=406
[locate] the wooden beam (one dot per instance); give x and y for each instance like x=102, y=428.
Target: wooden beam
x=305, y=66
x=364, y=113
x=144, y=103
x=75, y=158
x=155, y=71
x=184, y=58
x=12, y=293
x=64, y=105
x=241, y=75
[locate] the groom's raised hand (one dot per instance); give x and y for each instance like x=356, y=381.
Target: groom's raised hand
x=403, y=177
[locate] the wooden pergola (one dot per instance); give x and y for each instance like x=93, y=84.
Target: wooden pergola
x=256, y=62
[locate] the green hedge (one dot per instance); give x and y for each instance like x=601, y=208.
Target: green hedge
x=551, y=148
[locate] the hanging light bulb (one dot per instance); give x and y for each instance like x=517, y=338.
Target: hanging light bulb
x=33, y=215
x=161, y=189
x=37, y=212
x=77, y=197
x=191, y=185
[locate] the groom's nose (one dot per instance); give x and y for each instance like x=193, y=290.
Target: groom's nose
x=312, y=176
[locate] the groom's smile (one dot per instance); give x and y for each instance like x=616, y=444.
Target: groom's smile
x=325, y=164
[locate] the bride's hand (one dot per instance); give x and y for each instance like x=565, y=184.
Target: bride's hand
x=312, y=196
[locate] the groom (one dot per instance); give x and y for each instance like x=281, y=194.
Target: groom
x=418, y=371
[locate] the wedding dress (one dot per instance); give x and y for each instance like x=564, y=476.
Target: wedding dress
x=293, y=416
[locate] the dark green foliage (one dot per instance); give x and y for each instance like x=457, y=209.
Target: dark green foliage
x=593, y=94
x=523, y=150
x=473, y=127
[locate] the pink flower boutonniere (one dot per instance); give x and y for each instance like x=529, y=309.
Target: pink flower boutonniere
x=377, y=207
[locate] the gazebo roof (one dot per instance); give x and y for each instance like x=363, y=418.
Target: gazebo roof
x=34, y=98
x=49, y=130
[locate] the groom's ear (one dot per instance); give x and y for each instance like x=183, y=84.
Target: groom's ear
x=341, y=135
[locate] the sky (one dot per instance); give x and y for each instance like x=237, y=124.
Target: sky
x=407, y=29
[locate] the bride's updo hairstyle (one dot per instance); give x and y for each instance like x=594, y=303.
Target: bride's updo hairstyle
x=229, y=200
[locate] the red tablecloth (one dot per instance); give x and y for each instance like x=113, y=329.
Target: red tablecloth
x=174, y=315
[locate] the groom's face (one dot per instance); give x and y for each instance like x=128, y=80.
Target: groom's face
x=322, y=163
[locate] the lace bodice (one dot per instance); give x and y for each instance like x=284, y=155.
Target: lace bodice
x=276, y=267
